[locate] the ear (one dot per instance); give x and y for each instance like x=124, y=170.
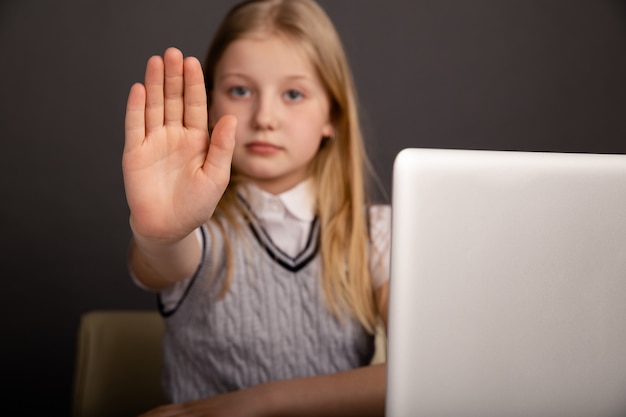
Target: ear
x=328, y=131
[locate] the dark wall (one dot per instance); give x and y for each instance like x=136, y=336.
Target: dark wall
x=516, y=75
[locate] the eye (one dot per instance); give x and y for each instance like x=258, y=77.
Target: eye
x=293, y=95
x=239, y=92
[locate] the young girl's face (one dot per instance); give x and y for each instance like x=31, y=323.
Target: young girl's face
x=281, y=106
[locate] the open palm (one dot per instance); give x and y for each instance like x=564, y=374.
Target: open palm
x=174, y=175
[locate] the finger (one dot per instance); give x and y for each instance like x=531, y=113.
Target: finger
x=154, y=93
x=195, y=111
x=220, y=155
x=173, y=88
x=134, y=123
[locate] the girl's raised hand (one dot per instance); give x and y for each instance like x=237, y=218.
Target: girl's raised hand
x=173, y=177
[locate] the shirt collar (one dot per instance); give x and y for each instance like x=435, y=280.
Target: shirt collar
x=298, y=201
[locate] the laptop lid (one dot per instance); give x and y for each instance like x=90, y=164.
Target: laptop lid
x=508, y=285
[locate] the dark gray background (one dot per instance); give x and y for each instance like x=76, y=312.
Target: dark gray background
x=482, y=74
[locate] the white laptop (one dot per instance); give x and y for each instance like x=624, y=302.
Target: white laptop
x=508, y=285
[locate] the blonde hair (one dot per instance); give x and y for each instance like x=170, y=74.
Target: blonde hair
x=340, y=165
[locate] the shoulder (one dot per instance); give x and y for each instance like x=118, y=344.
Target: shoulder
x=380, y=208
x=380, y=239
x=380, y=216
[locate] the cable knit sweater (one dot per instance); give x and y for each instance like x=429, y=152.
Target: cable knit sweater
x=272, y=324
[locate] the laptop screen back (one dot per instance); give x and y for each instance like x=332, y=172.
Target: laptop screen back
x=508, y=285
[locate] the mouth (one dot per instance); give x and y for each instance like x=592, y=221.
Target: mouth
x=262, y=148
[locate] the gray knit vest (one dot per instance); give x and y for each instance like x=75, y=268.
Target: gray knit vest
x=272, y=324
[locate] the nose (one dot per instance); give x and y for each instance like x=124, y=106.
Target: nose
x=266, y=113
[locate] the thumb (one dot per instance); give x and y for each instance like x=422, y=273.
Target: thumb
x=221, y=148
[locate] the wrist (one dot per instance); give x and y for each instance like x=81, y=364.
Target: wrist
x=153, y=235
x=158, y=263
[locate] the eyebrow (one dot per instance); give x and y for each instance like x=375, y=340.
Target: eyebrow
x=289, y=77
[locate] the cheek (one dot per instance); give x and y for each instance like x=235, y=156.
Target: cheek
x=218, y=108
x=239, y=158
x=309, y=147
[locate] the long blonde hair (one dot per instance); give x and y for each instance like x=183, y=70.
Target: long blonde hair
x=338, y=170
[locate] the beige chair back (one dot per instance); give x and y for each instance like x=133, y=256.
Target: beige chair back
x=118, y=364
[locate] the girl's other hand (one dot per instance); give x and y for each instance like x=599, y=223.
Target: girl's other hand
x=174, y=175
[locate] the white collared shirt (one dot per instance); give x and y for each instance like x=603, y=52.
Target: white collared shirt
x=286, y=217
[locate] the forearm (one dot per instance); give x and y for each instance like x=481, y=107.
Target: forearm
x=359, y=392
x=158, y=265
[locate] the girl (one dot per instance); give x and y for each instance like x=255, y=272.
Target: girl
x=250, y=219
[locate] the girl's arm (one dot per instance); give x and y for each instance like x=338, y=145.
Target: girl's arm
x=158, y=265
x=173, y=178
x=358, y=392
